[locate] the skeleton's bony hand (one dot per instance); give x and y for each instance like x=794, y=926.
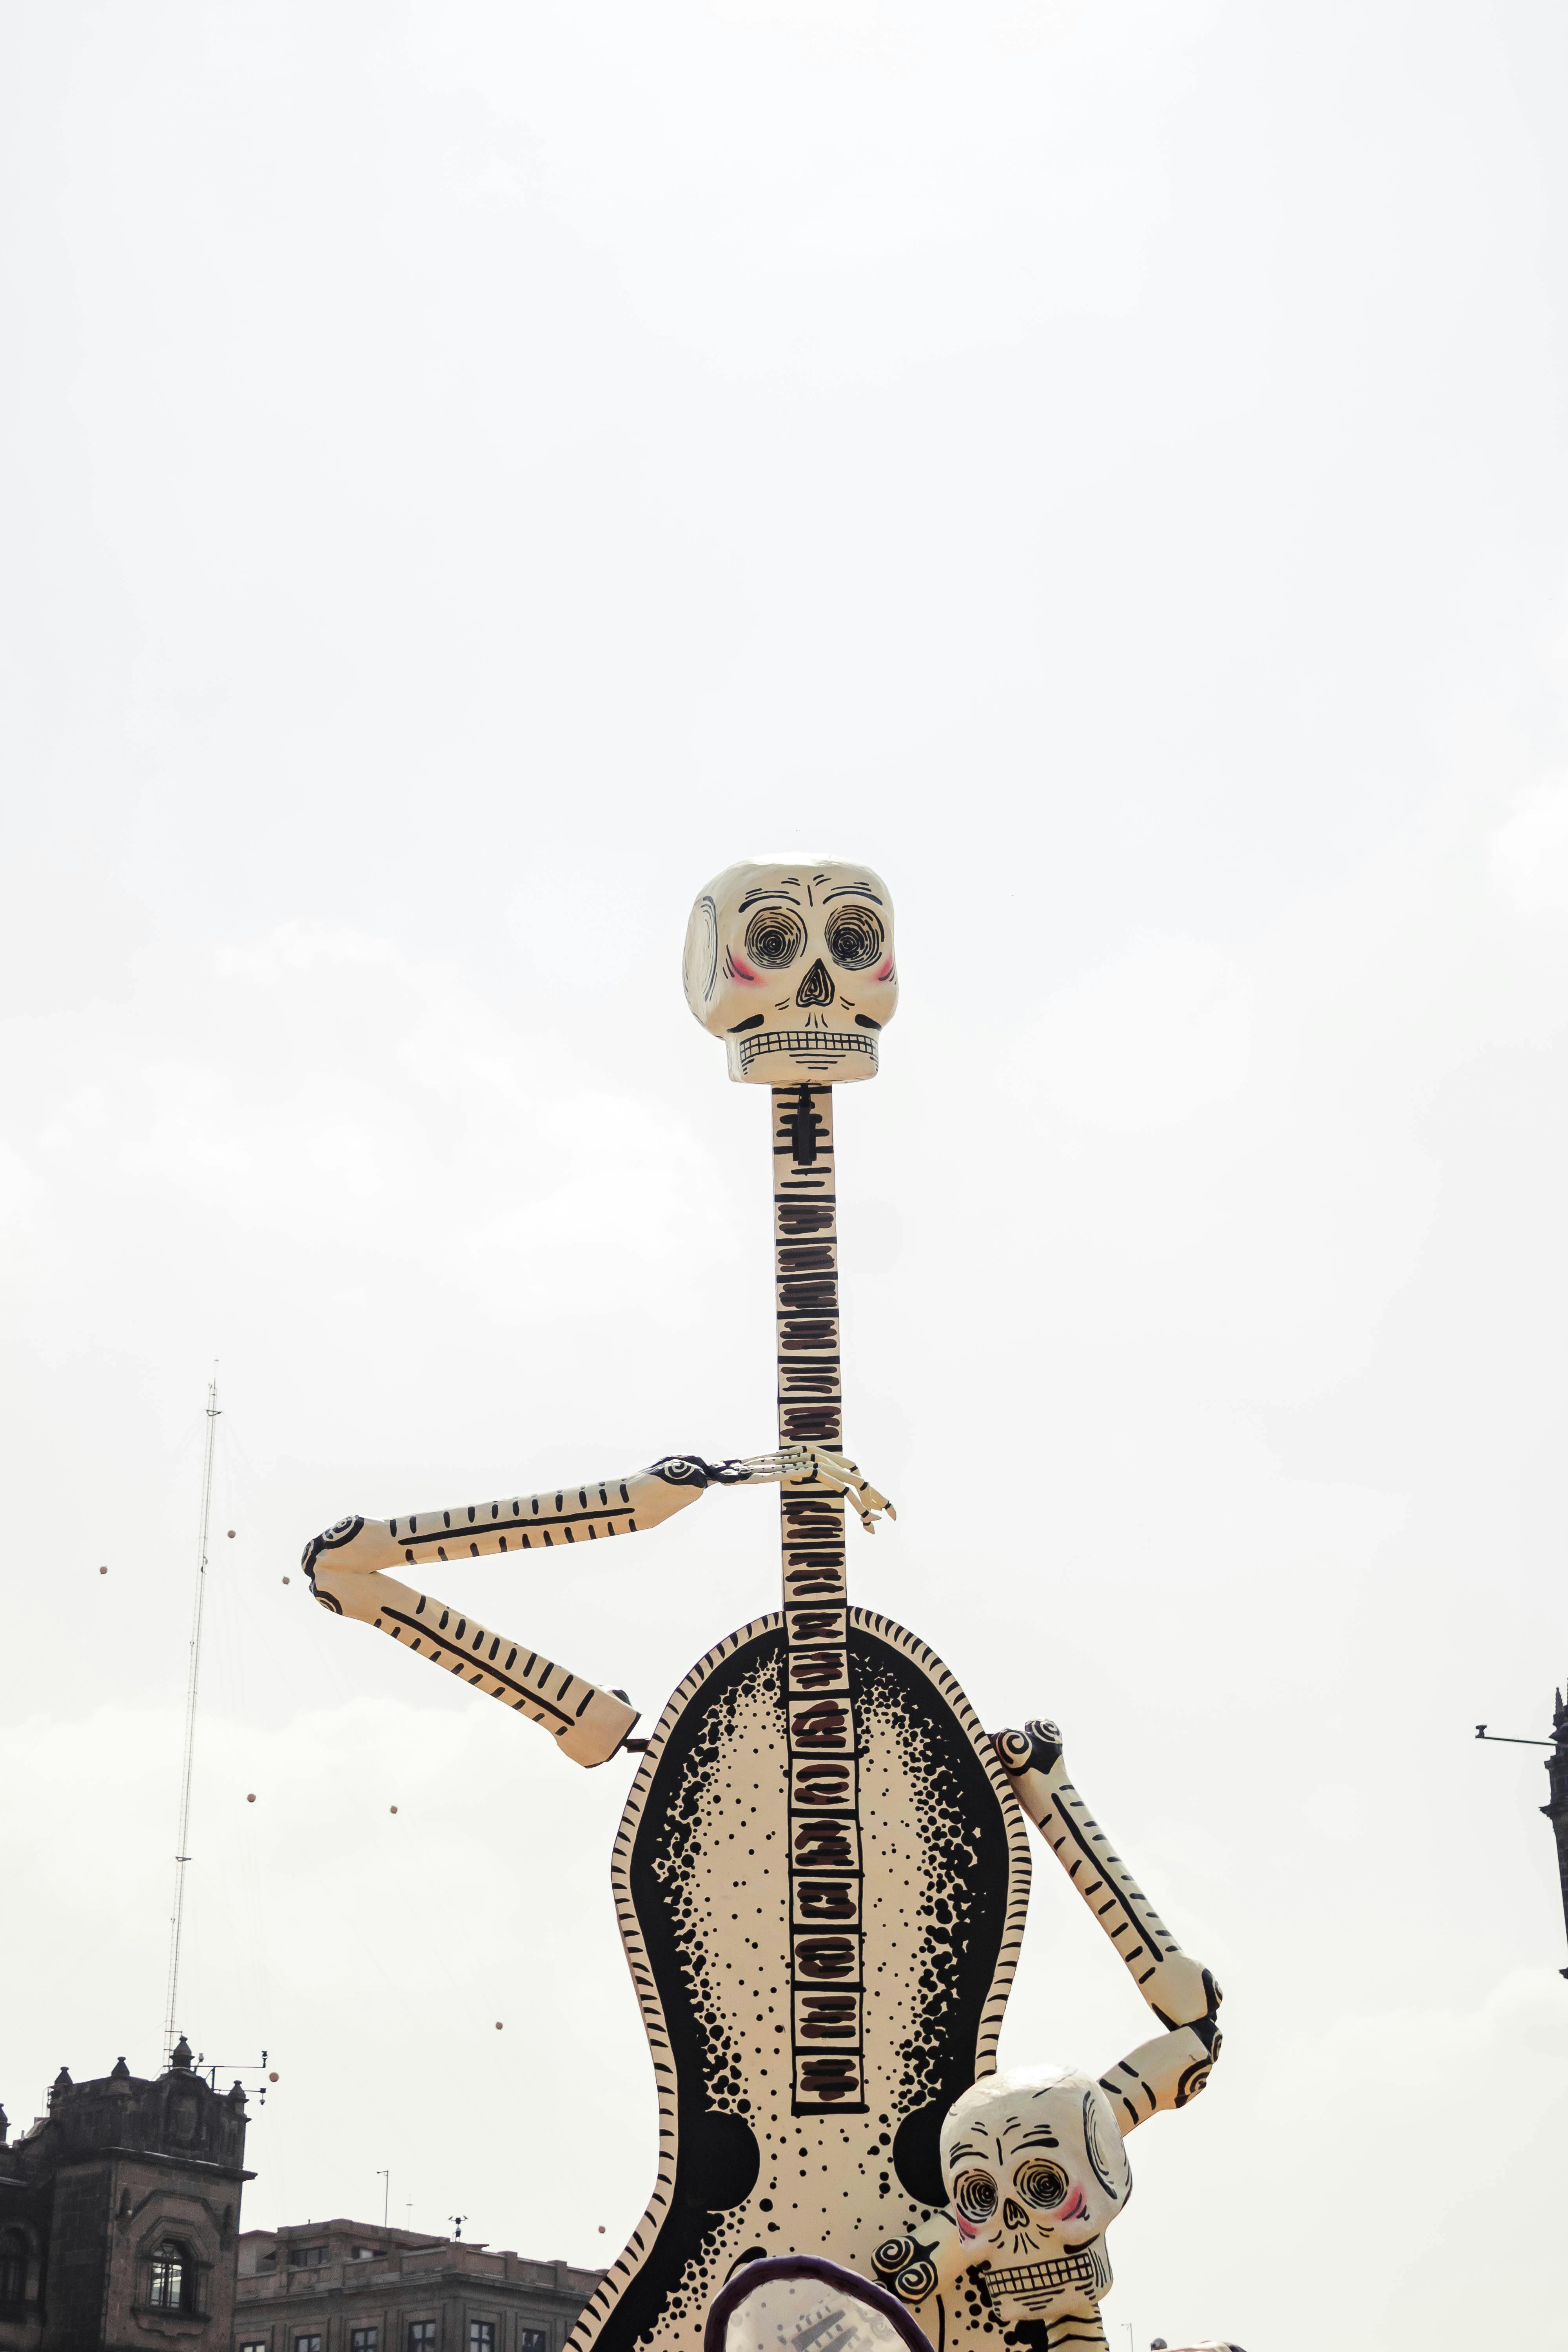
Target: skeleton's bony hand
x=810, y=1465
x=814, y=1465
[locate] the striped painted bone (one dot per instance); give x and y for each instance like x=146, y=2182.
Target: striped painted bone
x=589, y=1724
x=1175, y=2066
x=347, y=1567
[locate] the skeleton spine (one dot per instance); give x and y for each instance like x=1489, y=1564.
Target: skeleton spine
x=824, y=1874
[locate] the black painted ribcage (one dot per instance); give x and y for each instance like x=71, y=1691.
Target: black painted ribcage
x=827, y=1929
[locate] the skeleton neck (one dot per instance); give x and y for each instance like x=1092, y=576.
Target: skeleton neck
x=825, y=1831
x=811, y=1402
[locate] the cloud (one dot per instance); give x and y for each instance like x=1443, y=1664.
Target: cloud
x=1143, y=1041
x=1529, y=852
x=295, y=946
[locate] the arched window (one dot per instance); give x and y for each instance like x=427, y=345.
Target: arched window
x=12, y=2265
x=171, y=2279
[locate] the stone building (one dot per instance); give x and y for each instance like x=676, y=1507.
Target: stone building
x=120, y=2232
x=120, y=2215
x=351, y=2286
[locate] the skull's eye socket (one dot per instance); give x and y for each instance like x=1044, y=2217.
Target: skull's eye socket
x=1040, y=2183
x=774, y=937
x=855, y=938
x=974, y=2194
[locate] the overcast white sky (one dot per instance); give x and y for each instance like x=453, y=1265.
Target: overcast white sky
x=471, y=472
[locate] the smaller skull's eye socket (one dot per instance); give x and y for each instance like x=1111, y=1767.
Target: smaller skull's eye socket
x=974, y=2194
x=774, y=937
x=854, y=937
x=1040, y=2183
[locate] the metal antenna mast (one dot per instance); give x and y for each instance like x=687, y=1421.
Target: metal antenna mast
x=171, y=2030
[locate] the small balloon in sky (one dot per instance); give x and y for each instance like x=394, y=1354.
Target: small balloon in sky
x=498, y=2025
x=393, y=1809
x=251, y=1799
x=285, y=1580
x=103, y=1572
x=231, y=1531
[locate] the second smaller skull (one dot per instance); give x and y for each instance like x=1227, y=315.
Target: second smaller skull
x=1035, y=2170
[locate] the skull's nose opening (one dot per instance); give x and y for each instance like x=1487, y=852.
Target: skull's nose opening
x=1013, y=2215
x=817, y=988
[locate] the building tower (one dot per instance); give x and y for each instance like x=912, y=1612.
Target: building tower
x=120, y=2215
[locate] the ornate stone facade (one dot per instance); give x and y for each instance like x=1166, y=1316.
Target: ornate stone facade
x=120, y=2215
x=120, y=2232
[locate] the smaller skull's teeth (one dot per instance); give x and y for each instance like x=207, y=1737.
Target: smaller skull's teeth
x=1038, y=2278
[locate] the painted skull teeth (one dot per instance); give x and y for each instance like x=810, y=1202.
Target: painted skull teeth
x=818, y=1047
x=1040, y=2283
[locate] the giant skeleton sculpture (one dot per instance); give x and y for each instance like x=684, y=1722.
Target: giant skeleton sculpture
x=813, y=2019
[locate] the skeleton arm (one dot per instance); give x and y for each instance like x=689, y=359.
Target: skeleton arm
x=604, y=1507
x=346, y=1568
x=1165, y=2072
x=1172, y=2067
x=589, y=1724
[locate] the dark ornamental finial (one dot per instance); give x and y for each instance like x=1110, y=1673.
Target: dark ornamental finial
x=1556, y=1807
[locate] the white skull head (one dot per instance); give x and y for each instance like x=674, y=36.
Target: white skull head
x=1035, y=2169
x=792, y=964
